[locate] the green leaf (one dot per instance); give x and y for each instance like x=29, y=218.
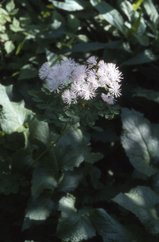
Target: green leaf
x=73, y=22
x=15, y=26
x=108, y=13
x=9, y=46
x=145, y=57
x=73, y=225
x=43, y=180
x=4, y=17
x=151, y=11
x=126, y=7
x=141, y=201
x=12, y=115
x=70, y=181
x=72, y=148
x=69, y=5
x=140, y=139
x=67, y=205
x=137, y=4
x=107, y=227
x=27, y=72
x=90, y=46
x=146, y=93
x=51, y=57
x=38, y=210
x=39, y=130
x=10, y=6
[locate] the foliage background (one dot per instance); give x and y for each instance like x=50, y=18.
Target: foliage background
x=115, y=198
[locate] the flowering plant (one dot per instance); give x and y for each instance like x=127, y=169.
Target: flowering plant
x=75, y=81
x=87, y=91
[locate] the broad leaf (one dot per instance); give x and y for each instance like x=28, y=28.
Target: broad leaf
x=9, y=46
x=38, y=210
x=69, y=5
x=140, y=140
x=73, y=225
x=10, y=6
x=141, y=201
x=39, y=130
x=107, y=227
x=90, y=46
x=151, y=11
x=146, y=93
x=12, y=115
x=70, y=181
x=72, y=148
x=108, y=13
x=43, y=181
x=145, y=57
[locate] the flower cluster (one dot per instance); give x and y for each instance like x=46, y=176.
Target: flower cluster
x=76, y=81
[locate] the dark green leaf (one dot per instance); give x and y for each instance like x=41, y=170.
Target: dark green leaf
x=141, y=201
x=146, y=93
x=74, y=226
x=140, y=141
x=72, y=148
x=108, y=13
x=39, y=130
x=108, y=228
x=145, y=57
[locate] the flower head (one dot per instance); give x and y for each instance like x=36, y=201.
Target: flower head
x=44, y=71
x=59, y=75
x=75, y=81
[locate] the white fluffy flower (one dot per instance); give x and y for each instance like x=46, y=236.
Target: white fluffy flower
x=58, y=75
x=69, y=97
x=114, y=89
x=83, y=81
x=44, y=71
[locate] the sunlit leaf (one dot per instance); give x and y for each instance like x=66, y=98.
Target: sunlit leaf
x=151, y=11
x=74, y=226
x=110, y=14
x=9, y=46
x=12, y=115
x=137, y=4
x=140, y=141
x=141, y=201
x=69, y=5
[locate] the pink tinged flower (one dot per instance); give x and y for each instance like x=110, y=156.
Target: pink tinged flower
x=44, y=71
x=107, y=98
